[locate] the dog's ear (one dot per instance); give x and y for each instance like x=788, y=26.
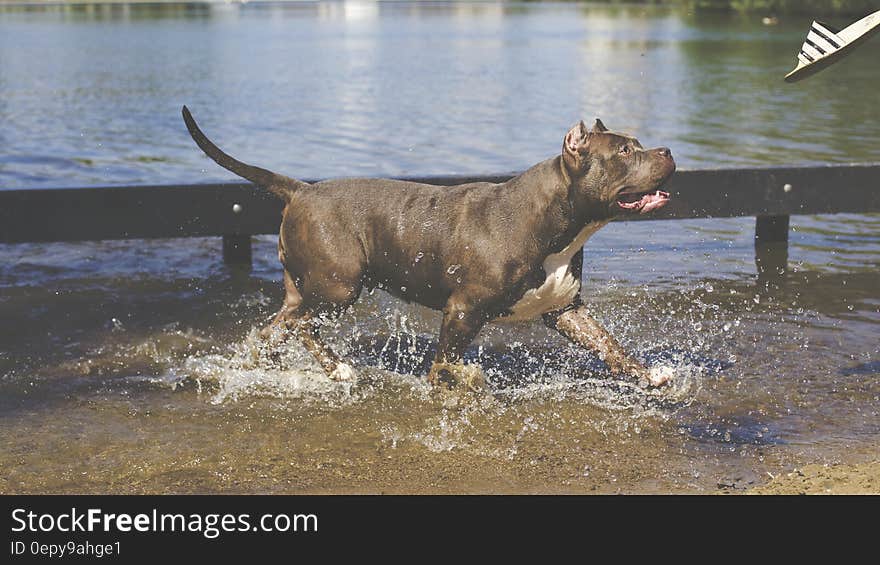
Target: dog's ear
x=577, y=138
x=599, y=127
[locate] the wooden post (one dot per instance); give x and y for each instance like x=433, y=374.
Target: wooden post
x=771, y=246
x=237, y=250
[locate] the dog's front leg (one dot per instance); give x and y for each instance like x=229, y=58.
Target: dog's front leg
x=461, y=324
x=578, y=326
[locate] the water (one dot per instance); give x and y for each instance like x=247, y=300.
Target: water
x=133, y=367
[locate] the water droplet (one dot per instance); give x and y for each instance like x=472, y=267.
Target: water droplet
x=698, y=326
x=419, y=256
x=452, y=268
x=726, y=327
x=403, y=289
x=461, y=315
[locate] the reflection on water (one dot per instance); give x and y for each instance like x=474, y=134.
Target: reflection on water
x=90, y=96
x=132, y=366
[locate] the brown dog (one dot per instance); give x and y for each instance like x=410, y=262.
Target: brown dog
x=479, y=252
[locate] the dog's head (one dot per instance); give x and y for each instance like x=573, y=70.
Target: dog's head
x=614, y=171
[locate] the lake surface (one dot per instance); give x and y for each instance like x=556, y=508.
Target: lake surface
x=132, y=366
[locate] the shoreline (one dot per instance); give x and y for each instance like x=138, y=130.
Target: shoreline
x=839, y=478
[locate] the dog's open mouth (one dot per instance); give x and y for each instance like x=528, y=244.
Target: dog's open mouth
x=643, y=202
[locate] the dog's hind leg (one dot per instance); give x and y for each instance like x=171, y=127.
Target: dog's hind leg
x=291, y=310
x=308, y=333
x=295, y=317
x=577, y=325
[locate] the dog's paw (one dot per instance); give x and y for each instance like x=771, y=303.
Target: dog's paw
x=659, y=376
x=344, y=372
x=472, y=378
x=448, y=375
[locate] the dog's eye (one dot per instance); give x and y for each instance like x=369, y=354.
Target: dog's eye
x=625, y=150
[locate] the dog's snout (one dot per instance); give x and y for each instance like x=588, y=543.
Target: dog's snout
x=664, y=152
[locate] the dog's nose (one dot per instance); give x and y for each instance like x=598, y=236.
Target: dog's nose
x=664, y=151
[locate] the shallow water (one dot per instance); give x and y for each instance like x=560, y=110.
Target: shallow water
x=132, y=366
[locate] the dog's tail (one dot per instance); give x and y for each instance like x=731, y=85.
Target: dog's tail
x=279, y=185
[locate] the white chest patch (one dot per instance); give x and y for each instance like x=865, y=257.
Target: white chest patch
x=559, y=288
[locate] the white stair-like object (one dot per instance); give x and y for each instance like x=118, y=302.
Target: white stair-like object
x=825, y=45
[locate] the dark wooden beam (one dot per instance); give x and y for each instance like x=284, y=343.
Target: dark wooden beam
x=238, y=209
x=73, y=214
x=773, y=191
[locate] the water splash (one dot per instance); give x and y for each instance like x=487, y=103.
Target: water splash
x=250, y=369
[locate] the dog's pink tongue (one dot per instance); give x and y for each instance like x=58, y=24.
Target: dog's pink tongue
x=647, y=203
x=653, y=201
